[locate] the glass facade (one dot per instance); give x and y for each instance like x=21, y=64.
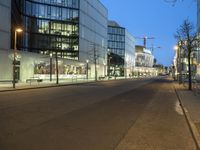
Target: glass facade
x=93, y=31
x=50, y=26
x=65, y=27
x=144, y=57
x=5, y=24
x=116, y=48
x=121, y=46
x=129, y=53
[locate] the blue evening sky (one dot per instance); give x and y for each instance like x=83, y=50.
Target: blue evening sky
x=154, y=18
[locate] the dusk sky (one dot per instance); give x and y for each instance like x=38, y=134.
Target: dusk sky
x=153, y=18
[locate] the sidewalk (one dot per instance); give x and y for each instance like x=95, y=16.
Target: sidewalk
x=45, y=84
x=190, y=102
x=34, y=85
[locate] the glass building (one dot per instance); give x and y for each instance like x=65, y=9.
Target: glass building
x=144, y=57
x=121, y=47
x=5, y=19
x=50, y=26
x=61, y=26
x=73, y=30
x=5, y=25
x=144, y=62
x=93, y=31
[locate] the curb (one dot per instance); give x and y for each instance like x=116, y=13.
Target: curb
x=61, y=85
x=195, y=132
x=43, y=87
x=55, y=85
x=192, y=127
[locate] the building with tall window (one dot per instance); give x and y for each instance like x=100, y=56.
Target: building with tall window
x=5, y=26
x=121, y=50
x=74, y=31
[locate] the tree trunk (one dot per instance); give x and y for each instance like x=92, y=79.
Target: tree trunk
x=189, y=71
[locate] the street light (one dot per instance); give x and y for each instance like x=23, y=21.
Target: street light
x=87, y=61
x=17, y=30
x=50, y=66
x=104, y=65
x=178, y=62
x=109, y=58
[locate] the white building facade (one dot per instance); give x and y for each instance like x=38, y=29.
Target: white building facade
x=144, y=61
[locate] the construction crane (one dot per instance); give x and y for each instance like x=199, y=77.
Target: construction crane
x=145, y=39
x=154, y=47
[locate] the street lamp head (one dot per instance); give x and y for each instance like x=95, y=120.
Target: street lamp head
x=87, y=61
x=51, y=54
x=176, y=47
x=19, y=30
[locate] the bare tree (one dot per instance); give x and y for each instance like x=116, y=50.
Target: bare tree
x=173, y=2
x=187, y=37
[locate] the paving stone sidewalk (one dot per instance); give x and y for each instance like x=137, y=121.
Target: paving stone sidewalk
x=35, y=85
x=191, y=102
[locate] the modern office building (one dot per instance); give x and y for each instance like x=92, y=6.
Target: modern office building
x=71, y=30
x=144, y=61
x=5, y=26
x=121, y=50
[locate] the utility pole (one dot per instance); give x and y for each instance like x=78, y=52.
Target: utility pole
x=17, y=30
x=50, y=65
x=95, y=62
x=57, y=80
x=87, y=61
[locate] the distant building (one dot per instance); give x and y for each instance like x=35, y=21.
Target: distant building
x=144, y=57
x=121, y=50
x=198, y=16
x=198, y=30
x=144, y=61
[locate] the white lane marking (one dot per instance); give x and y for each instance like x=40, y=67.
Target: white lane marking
x=178, y=108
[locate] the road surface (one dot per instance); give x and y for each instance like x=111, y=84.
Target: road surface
x=139, y=114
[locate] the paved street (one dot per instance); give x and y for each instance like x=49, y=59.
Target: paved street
x=139, y=114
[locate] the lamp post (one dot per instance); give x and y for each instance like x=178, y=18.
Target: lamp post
x=109, y=58
x=177, y=58
x=104, y=65
x=178, y=63
x=50, y=66
x=57, y=77
x=17, y=30
x=87, y=61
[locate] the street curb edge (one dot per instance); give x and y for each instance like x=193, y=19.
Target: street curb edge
x=192, y=127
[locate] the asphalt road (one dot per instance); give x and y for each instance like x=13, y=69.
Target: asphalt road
x=122, y=115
